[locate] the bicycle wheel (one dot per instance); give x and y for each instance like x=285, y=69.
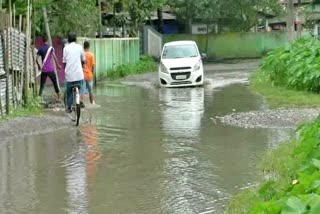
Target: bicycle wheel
x=65, y=100
x=78, y=114
x=77, y=105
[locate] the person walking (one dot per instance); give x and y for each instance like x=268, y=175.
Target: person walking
x=88, y=72
x=47, y=53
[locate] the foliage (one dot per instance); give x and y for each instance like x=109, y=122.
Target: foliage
x=80, y=16
x=31, y=107
x=32, y=103
x=296, y=66
x=293, y=185
x=238, y=15
x=64, y=15
x=140, y=11
x=146, y=64
x=279, y=96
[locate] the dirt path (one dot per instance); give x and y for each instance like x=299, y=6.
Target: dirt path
x=279, y=118
x=20, y=127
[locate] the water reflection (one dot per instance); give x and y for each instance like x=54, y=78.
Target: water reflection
x=93, y=153
x=182, y=113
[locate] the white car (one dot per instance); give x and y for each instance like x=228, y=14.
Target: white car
x=181, y=65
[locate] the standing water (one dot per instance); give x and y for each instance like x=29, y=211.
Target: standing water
x=144, y=151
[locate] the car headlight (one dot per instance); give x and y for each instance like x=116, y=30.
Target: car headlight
x=197, y=66
x=163, y=68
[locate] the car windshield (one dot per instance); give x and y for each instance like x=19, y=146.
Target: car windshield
x=180, y=51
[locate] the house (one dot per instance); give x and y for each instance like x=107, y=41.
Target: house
x=305, y=14
x=170, y=24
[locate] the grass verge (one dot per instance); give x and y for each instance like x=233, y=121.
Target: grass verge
x=277, y=96
x=292, y=178
x=32, y=107
x=146, y=64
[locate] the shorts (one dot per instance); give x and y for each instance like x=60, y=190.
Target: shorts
x=87, y=86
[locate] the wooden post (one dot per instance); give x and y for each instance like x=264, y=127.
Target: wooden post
x=290, y=20
x=6, y=54
x=20, y=23
x=35, y=74
x=2, y=41
x=14, y=15
x=1, y=110
x=100, y=20
x=45, y=16
x=27, y=77
x=298, y=20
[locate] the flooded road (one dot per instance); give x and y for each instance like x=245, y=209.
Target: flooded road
x=144, y=151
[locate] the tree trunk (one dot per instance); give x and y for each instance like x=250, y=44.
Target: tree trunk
x=189, y=25
x=207, y=38
x=45, y=16
x=290, y=20
x=299, y=23
x=160, y=20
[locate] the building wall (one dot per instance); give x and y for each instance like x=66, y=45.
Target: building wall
x=235, y=45
x=113, y=52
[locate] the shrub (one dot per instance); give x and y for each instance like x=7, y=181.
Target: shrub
x=296, y=66
x=146, y=64
x=293, y=184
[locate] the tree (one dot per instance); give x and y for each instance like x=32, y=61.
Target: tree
x=238, y=15
x=81, y=16
x=140, y=12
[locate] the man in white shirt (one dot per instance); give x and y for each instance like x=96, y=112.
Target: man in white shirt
x=73, y=59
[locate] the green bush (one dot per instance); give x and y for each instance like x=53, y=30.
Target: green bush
x=146, y=64
x=296, y=66
x=293, y=184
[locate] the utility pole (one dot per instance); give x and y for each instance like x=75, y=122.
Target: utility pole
x=100, y=20
x=298, y=20
x=290, y=20
x=160, y=20
x=45, y=16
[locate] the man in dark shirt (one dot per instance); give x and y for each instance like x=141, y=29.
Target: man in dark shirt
x=46, y=52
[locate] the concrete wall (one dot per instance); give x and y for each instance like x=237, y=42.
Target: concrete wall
x=113, y=52
x=235, y=45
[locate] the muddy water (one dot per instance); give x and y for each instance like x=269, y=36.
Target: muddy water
x=144, y=151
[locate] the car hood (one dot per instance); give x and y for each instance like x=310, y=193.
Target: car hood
x=180, y=62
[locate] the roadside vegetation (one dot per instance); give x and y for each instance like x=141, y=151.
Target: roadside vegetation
x=288, y=77
x=292, y=182
x=295, y=67
x=32, y=107
x=146, y=64
x=280, y=96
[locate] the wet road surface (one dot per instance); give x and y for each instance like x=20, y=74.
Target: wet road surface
x=146, y=150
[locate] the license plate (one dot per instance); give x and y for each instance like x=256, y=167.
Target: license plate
x=181, y=77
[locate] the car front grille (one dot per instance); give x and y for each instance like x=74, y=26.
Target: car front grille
x=180, y=68
x=179, y=76
x=181, y=83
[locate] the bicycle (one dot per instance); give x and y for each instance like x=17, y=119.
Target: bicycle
x=76, y=107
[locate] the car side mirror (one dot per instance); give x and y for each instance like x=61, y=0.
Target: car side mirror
x=203, y=55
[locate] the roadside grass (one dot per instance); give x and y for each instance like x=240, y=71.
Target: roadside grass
x=32, y=107
x=291, y=181
x=146, y=64
x=280, y=97
x=243, y=202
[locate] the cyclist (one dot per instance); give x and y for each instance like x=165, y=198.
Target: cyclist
x=73, y=59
